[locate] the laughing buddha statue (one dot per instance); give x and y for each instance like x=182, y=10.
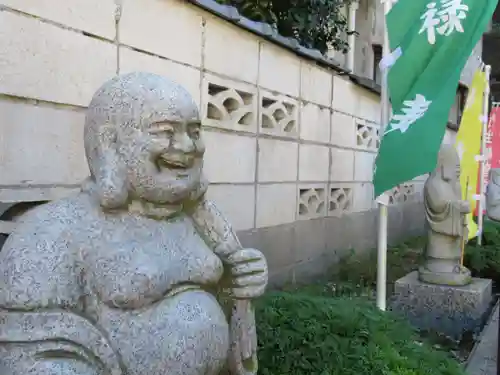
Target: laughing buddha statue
x=137, y=274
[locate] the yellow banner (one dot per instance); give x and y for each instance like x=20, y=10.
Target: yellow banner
x=468, y=145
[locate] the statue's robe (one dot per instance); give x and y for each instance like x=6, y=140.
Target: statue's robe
x=445, y=224
x=442, y=201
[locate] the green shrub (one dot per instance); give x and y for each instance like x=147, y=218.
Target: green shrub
x=484, y=260
x=310, y=335
x=491, y=233
x=316, y=24
x=361, y=269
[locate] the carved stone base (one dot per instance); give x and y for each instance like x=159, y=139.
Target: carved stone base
x=449, y=310
x=460, y=278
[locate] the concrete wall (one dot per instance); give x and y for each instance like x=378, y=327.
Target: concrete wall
x=290, y=145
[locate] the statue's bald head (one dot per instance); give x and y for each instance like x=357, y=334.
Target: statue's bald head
x=121, y=112
x=134, y=101
x=448, y=162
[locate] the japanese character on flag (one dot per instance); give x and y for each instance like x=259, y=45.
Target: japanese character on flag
x=443, y=18
x=413, y=111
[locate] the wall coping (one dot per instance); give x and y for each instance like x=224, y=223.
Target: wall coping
x=268, y=32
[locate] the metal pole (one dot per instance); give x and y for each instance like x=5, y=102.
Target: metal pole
x=382, y=206
x=382, y=257
x=352, y=8
x=487, y=71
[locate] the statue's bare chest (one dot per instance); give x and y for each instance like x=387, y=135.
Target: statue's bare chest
x=136, y=261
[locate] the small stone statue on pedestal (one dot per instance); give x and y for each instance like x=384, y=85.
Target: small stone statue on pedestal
x=446, y=223
x=138, y=274
x=493, y=195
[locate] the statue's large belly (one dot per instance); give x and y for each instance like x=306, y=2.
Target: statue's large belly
x=186, y=334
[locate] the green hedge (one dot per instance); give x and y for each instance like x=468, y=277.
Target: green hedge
x=361, y=269
x=484, y=261
x=302, y=334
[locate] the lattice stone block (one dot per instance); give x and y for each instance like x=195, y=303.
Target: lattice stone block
x=395, y=195
x=312, y=201
x=340, y=200
x=407, y=191
x=367, y=135
x=228, y=104
x=279, y=115
x=402, y=193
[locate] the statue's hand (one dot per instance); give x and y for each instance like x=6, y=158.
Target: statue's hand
x=249, y=273
x=465, y=207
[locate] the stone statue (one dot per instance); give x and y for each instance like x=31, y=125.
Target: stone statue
x=138, y=274
x=446, y=223
x=493, y=195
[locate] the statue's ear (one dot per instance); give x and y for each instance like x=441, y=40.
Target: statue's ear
x=447, y=173
x=110, y=173
x=201, y=189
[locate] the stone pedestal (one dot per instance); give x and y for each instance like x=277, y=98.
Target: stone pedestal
x=450, y=310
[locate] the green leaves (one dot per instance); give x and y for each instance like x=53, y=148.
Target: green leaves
x=484, y=261
x=318, y=24
x=257, y=10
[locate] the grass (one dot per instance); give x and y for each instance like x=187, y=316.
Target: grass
x=333, y=328
x=301, y=334
x=356, y=274
x=361, y=269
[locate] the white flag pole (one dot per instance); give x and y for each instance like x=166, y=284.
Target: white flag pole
x=484, y=155
x=383, y=200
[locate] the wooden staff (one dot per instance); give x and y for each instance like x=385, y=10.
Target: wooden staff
x=466, y=234
x=243, y=351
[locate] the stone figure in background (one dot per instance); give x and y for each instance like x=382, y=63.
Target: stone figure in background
x=446, y=223
x=493, y=195
x=138, y=274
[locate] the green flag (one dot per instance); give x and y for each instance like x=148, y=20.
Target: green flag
x=433, y=39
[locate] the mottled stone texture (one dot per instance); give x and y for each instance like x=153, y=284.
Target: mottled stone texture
x=137, y=274
x=451, y=310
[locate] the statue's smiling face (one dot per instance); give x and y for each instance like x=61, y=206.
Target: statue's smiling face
x=176, y=146
x=164, y=160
